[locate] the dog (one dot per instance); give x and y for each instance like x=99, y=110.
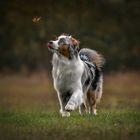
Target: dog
x=77, y=75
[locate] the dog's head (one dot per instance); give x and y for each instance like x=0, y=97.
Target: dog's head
x=64, y=45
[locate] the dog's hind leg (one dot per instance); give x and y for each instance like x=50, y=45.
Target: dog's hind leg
x=82, y=109
x=91, y=97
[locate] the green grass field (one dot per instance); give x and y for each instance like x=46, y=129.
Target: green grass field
x=29, y=111
x=123, y=125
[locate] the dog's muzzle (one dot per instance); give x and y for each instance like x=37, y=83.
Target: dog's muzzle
x=50, y=45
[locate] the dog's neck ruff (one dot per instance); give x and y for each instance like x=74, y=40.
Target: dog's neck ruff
x=70, y=53
x=61, y=60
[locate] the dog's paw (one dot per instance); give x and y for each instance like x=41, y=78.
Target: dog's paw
x=69, y=107
x=94, y=112
x=83, y=112
x=65, y=113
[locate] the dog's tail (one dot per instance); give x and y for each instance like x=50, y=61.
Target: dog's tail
x=93, y=57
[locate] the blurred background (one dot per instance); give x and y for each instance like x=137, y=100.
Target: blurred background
x=112, y=27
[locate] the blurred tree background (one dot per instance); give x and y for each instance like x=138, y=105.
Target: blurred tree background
x=111, y=27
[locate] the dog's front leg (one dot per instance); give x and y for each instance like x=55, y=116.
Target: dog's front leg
x=75, y=100
x=62, y=103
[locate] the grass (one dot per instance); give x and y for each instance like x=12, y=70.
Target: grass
x=123, y=125
x=29, y=111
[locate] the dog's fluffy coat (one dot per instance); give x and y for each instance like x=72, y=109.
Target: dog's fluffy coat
x=77, y=75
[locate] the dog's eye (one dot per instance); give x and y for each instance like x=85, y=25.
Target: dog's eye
x=62, y=41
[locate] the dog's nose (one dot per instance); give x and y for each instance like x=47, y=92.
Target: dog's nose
x=50, y=42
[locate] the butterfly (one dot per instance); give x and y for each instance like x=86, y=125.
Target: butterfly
x=36, y=19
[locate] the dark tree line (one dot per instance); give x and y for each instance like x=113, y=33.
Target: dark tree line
x=112, y=27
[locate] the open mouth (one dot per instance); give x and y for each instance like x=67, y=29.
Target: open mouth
x=50, y=47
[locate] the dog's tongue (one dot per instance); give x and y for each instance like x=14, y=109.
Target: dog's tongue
x=49, y=46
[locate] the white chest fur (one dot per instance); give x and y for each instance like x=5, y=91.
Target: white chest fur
x=67, y=73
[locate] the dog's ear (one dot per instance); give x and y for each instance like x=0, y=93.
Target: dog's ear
x=75, y=43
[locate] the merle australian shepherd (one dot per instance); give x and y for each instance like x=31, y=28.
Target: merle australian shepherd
x=77, y=75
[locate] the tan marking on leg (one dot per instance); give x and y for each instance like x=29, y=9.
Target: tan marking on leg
x=91, y=97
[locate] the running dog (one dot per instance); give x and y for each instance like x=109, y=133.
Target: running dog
x=77, y=75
